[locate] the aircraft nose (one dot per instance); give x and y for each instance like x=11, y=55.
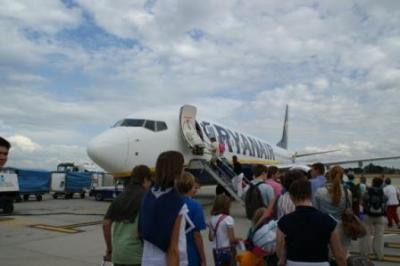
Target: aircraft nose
x=110, y=150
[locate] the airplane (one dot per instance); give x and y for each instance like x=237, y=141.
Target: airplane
x=136, y=140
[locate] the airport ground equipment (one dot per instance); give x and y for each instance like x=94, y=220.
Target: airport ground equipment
x=69, y=183
x=104, y=187
x=33, y=182
x=9, y=189
x=222, y=173
x=105, y=192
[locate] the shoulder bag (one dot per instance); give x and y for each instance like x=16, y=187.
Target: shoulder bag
x=352, y=225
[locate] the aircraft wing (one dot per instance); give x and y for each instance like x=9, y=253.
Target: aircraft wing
x=300, y=164
x=296, y=155
x=359, y=161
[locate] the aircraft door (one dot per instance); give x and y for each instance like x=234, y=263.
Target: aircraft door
x=190, y=132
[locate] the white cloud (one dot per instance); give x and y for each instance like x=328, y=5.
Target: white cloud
x=334, y=62
x=23, y=143
x=45, y=15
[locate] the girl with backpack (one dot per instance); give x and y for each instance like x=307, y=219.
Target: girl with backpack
x=374, y=203
x=221, y=232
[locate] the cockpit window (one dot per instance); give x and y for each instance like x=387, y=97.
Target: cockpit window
x=130, y=123
x=118, y=124
x=161, y=126
x=151, y=125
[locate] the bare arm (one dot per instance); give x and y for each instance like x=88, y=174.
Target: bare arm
x=231, y=235
x=107, y=238
x=198, y=240
x=210, y=233
x=280, y=247
x=268, y=212
x=337, y=249
x=173, y=249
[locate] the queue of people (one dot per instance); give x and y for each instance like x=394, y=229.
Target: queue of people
x=156, y=221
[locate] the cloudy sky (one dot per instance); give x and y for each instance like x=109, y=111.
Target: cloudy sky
x=70, y=69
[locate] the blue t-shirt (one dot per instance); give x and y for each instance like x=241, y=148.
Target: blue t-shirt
x=197, y=216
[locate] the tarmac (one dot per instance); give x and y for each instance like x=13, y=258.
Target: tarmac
x=68, y=232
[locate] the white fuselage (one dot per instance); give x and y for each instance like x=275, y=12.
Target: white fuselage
x=120, y=148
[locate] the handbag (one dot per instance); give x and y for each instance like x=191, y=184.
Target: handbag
x=352, y=225
x=224, y=255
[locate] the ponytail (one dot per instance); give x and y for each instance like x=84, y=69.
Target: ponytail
x=335, y=176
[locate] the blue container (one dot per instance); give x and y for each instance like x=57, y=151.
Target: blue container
x=33, y=181
x=76, y=182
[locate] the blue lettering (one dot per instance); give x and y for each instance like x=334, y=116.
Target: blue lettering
x=246, y=145
x=263, y=153
x=223, y=136
x=207, y=129
x=236, y=137
x=254, y=146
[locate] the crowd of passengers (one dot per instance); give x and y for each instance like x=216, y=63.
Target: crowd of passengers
x=295, y=219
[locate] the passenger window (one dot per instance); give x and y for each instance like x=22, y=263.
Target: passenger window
x=151, y=125
x=161, y=126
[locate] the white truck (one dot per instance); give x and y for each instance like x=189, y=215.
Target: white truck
x=104, y=187
x=70, y=179
x=9, y=189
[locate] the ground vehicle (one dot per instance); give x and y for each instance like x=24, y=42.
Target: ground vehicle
x=68, y=180
x=104, y=187
x=9, y=189
x=33, y=182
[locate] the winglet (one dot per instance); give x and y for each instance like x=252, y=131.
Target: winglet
x=283, y=143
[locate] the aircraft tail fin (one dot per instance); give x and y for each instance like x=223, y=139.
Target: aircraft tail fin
x=283, y=143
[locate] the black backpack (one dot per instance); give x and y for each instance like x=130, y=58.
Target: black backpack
x=375, y=204
x=253, y=200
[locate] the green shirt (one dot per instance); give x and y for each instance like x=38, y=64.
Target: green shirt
x=126, y=246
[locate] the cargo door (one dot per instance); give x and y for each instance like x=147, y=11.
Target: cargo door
x=189, y=132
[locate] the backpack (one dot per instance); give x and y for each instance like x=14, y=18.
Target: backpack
x=253, y=199
x=261, y=241
x=355, y=191
x=358, y=261
x=375, y=205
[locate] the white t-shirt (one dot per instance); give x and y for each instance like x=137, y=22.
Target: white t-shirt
x=222, y=230
x=154, y=256
x=391, y=192
x=285, y=205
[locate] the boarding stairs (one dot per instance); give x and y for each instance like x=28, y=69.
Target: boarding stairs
x=222, y=173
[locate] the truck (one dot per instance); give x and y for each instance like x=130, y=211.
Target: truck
x=9, y=189
x=33, y=182
x=68, y=180
x=104, y=186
